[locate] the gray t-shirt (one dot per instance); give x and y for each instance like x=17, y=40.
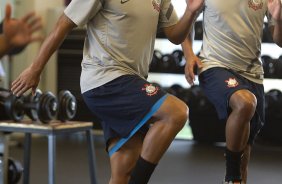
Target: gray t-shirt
x=232, y=36
x=120, y=36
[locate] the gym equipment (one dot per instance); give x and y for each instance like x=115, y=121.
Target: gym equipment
x=184, y=94
x=40, y=106
x=198, y=27
x=273, y=116
x=168, y=64
x=268, y=66
x=179, y=60
x=156, y=61
x=266, y=35
x=67, y=106
x=204, y=122
x=278, y=69
x=272, y=67
x=15, y=171
x=9, y=106
x=175, y=90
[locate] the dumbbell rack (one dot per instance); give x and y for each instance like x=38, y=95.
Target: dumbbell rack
x=51, y=130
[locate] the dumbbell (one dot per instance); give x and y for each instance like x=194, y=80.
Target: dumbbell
x=156, y=61
x=278, y=69
x=46, y=107
x=9, y=106
x=175, y=90
x=40, y=106
x=198, y=26
x=179, y=60
x=15, y=171
x=268, y=66
x=67, y=106
x=168, y=64
x=183, y=94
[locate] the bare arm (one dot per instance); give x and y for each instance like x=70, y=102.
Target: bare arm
x=192, y=60
x=30, y=77
x=177, y=33
x=274, y=8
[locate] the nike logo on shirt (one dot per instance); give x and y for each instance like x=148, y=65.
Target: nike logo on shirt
x=123, y=1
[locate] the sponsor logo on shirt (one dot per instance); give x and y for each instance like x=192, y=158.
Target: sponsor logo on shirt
x=231, y=82
x=150, y=89
x=255, y=4
x=124, y=1
x=157, y=5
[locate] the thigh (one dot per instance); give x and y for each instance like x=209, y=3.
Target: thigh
x=172, y=108
x=218, y=85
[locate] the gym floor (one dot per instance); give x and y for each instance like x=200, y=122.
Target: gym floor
x=185, y=161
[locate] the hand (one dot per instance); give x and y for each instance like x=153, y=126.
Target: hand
x=19, y=32
x=28, y=79
x=274, y=8
x=194, y=5
x=192, y=62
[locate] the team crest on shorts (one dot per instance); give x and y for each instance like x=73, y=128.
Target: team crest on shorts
x=150, y=89
x=231, y=82
x=255, y=4
x=157, y=5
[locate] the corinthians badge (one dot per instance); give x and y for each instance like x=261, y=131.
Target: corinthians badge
x=231, y=82
x=255, y=4
x=150, y=89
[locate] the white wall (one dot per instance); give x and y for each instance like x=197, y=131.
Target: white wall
x=24, y=59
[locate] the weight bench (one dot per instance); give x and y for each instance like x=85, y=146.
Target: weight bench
x=51, y=130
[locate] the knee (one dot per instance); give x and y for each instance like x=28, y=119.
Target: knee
x=179, y=115
x=245, y=103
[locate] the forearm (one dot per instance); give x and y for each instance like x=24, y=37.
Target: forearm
x=187, y=46
x=179, y=32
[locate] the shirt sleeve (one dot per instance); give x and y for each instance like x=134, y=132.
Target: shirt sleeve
x=168, y=16
x=81, y=11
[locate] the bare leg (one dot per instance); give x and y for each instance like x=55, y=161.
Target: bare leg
x=243, y=105
x=171, y=118
x=124, y=160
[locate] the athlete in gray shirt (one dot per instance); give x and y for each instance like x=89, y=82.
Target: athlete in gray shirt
x=117, y=52
x=231, y=73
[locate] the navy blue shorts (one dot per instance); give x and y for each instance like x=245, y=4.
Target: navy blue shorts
x=219, y=84
x=122, y=103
